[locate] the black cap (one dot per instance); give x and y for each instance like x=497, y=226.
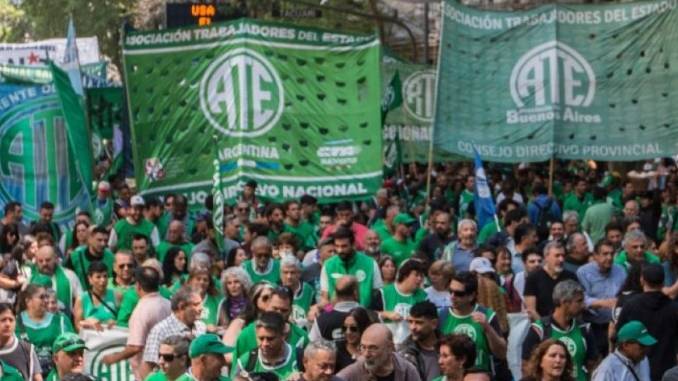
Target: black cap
x=653, y=274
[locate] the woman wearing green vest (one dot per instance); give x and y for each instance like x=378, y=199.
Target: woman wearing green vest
x=200, y=279
x=75, y=238
x=98, y=306
x=39, y=327
x=259, y=297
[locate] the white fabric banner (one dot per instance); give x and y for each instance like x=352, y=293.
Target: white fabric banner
x=32, y=53
x=99, y=344
x=519, y=324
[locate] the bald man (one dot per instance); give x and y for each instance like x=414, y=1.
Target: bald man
x=328, y=325
x=51, y=274
x=176, y=237
x=378, y=359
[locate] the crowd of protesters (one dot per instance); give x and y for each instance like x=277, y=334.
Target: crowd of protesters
x=404, y=286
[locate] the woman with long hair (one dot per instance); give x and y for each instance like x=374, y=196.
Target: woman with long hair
x=550, y=361
x=77, y=238
x=235, y=284
x=200, y=279
x=348, y=348
x=97, y=307
x=259, y=297
x=502, y=265
x=38, y=326
x=388, y=269
x=174, y=266
x=236, y=256
x=9, y=238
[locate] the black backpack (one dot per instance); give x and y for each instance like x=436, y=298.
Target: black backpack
x=544, y=219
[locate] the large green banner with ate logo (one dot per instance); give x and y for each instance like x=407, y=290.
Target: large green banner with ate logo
x=36, y=164
x=574, y=81
x=295, y=109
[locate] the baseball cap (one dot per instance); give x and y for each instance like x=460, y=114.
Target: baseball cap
x=635, y=331
x=403, y=218
x=68, y=342
x=481, y=265
x=137, y=200
x=206, y=344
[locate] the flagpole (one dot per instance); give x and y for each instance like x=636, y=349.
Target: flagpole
x=430, y=169
x=551, y=169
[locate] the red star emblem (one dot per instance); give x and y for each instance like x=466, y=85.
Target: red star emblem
x=33, y=58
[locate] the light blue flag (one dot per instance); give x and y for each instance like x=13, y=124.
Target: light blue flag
x=482, y=198
x=71, y=62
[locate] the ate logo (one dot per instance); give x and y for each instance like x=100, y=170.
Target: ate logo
x=419, y=92
x=552, y=74
x=35, y=162
x=241, y=94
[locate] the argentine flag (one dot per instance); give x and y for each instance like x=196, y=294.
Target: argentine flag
x=482, y=198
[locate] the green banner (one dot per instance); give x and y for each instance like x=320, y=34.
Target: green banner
x=412, y=121
x=296, y=109
x=36, y=164
x=94, y=75
x=570, y=81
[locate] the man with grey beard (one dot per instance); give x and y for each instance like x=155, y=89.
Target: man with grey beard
x=378, y=360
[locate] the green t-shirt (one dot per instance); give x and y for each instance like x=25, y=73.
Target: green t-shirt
x=210, y=309
x=381, y=229
x=100, y=312
x=271, y=275
x=398, y=250
x=394, y=301
x=305, y=234
x=247, y=340
x=157, y=376
x=488, y=231
x=574, y=340
x=572, y=202
x=164, y=246
x=79, y=263
x=283, y=370
x=303, y=300
x=42, y=334
x=361, y=266
x=466, y=325
x=126, y=231
x=465, y=200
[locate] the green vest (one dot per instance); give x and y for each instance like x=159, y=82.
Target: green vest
x=283, y=371
x=157, y=376
x=381, y=229
x=302, y=303
x=399, y=251
x=43, y=334
x=61, y=286
x=465, y=324
x=126, y=231
x=10, y=373
x=164, y=246
x=247, y=340
x=623, y=260
x=361, y=266
x=305, y=234
x=80, y=264
x=465, y=200
x=210, y=309
x=102, y=212
x=574, y=340
x=572, y=202
x=395, y=301
x=271, y=275
x=100, y=312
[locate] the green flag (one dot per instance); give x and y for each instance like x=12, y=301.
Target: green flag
x=572, y=81
x=218, y=201
x=76, y=125
x=296, y=109
x=393, y=96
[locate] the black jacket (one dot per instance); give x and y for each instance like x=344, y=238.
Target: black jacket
x=660, y=316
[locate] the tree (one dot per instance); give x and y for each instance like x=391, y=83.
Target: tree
x=12, y=22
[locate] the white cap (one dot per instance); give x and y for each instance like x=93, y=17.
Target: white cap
x=137, y=200
x=481, y=265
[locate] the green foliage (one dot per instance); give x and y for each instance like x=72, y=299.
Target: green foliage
x=12, y=24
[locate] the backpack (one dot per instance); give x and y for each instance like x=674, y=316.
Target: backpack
x=544, y=219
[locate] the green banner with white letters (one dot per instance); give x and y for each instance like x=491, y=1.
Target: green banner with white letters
x=296, y=109
x=570, y=81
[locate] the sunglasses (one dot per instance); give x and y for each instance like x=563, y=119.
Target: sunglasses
x=127, y=265
x=168, y=357
x=349, y=328
x=459, y=294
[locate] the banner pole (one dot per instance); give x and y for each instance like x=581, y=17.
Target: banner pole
x=551, y=169
x=429, y=170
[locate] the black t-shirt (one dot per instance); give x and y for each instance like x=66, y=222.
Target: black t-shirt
x=540, y=285
x=390, y=377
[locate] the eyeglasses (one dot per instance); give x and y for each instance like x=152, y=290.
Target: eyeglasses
x=349, y=328
x=458, y=294
x=168, y=357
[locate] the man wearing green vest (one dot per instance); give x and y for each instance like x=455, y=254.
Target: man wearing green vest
x=400, y=246
x=262, y=267
x=175, y=238
x=349, y=262
x=579, y=199
x=466, y=316
x=304, y=294
x=466, y=196
x=123, y=269
x=386, y=228
x=64, y=282
x=634, y=251
x=273, y=353
x=102, y=205
x=134, y=223
x=568, y=298
x=304, y=231
x=96, y=250
x=68, y=355
x=207, y=358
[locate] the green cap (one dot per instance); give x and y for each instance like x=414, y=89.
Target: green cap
x=68, y=342
x=41, y=280
x=635, y=331
x=207, y=343
x=403, y=218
